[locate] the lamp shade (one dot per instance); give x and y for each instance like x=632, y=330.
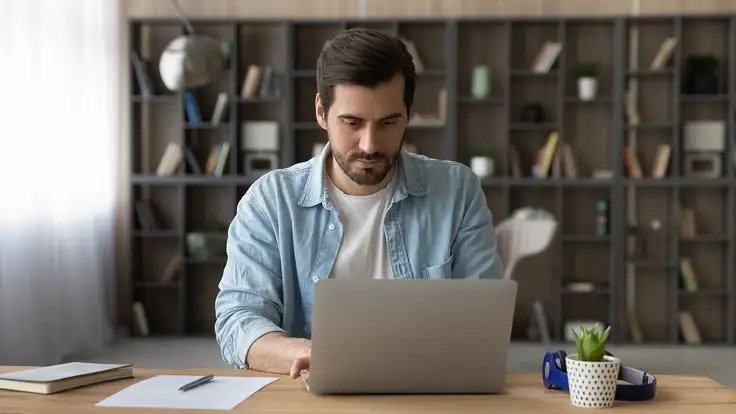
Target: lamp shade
x=190, y=61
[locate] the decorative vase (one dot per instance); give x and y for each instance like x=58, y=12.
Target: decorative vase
x=481, y=86
x=592, y=384
x=587, y=88
x=482, y=166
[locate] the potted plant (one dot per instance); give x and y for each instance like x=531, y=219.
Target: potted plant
x=701, y=76
x=592, y=374
x=587, y=73
x=481, y=162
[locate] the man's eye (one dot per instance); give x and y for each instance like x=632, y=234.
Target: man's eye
x=388, y=123
x=351, y=123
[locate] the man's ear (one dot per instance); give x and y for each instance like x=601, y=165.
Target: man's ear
x=320, y=112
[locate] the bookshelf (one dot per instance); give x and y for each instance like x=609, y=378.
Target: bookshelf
x=630, y=265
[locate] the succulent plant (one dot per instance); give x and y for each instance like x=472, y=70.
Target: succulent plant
x=587, y=69
x=591, y=343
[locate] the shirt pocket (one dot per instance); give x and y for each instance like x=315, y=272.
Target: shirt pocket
x=438, y=272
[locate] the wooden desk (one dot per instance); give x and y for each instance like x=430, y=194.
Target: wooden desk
x=524, y=394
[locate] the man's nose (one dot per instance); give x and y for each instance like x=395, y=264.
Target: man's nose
x=368, y=140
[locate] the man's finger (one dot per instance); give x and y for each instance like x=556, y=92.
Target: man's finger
x=299, y=365
x=294, y=372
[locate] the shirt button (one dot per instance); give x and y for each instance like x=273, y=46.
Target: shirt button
x=315, y=278
x=331, y=227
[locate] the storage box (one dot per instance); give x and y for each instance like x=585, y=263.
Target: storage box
x=705, y=136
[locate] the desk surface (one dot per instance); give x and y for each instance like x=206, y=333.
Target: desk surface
x=524, y=393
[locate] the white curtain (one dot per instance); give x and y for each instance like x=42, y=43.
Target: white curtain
x=59, y=117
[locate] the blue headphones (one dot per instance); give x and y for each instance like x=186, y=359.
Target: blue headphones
x=640, y=385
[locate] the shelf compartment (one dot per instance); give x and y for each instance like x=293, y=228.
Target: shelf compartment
x=483, y=45
x=310, y=38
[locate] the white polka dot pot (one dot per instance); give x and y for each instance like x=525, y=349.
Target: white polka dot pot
x=592, y=384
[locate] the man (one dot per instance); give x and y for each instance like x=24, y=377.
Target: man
x=362, y=209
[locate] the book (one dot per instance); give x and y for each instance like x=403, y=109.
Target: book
x=515, y=162
x=170, y=160
x=172, y=268
x=149, y=216
x=632, y=163
x=192, y=162
x=414, y=52
x=661, y=161
x=140, y=319
x=142, y=74
x=220, y=111
x=252, y=82
x=223, y=158
x=545, y=156
x=193, y=114
x=663, y=54
x=267, y=80
x=56, y=378
x=546, y=58
x=569, y=165
x=211, y=163
x=688, y=280
x=689, y=329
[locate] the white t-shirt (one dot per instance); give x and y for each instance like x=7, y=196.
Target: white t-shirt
x=363, y=252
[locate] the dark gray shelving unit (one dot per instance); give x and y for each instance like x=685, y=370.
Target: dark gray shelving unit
x=667, y=107
x=731, y=172
x=450, y=48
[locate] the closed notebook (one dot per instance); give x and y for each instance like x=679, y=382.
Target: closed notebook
x=55, y=378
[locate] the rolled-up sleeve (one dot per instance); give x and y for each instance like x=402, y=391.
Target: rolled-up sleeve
x=249, y=302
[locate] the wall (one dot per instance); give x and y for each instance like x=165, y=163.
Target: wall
x=441, y=8
x=359, y=9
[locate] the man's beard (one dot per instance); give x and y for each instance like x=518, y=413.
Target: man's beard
x=372, y=175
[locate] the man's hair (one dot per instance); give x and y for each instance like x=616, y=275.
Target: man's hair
x=364, y=57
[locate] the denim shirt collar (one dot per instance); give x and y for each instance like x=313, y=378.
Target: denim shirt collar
x=410, y=181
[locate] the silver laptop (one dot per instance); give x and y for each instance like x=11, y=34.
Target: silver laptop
x=411, y=336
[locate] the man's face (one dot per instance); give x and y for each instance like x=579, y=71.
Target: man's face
x=365, y=127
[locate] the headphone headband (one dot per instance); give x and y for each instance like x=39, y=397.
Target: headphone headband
x=640, y=385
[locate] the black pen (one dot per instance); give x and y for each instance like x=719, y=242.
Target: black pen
x=197, y=382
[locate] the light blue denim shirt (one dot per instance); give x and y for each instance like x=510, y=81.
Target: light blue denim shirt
x=286, y=234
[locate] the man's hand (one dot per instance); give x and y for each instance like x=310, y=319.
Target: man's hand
x=279, y=354
x=300, y=364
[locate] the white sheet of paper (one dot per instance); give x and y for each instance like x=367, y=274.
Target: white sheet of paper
x=222, y=393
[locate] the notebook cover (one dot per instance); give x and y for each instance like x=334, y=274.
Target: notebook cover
x=59, y=372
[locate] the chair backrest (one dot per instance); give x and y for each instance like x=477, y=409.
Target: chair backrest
x=520, y=237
